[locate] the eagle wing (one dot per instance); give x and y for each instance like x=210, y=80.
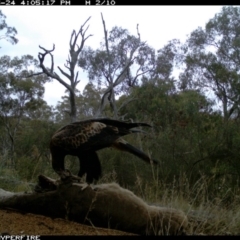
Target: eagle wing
x=88, y=135
x=92, y=134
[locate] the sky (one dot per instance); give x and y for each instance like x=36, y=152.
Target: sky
x=48, y=25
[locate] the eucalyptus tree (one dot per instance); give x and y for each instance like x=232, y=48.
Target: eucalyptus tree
x=117, y=65
x=213, y=60
x=19, y=96
x=6, y=32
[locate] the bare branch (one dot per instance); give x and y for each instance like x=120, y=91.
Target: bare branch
x=138, y=33
x=137, y=75
x=70, y=65
x=107, y=48
x=41, y=57
x=120, y=77
x=64, y=73
x=32, y=75
x=75, y=80
x=67, y=66
x=72, y=60
x=127, y=102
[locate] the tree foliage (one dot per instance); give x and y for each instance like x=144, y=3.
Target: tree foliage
x=212, y=60
x=7, y=33
x=20, y=96
x=117, y=64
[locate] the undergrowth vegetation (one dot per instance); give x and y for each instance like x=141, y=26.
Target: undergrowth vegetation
x=211, y=201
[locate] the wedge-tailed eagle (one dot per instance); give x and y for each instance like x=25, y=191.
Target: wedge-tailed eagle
x=84, y=138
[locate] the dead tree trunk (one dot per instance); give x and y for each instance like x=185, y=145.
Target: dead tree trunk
x=113, y=81
x=71, y=64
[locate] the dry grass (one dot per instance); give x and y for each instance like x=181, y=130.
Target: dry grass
x=209, y=213
x=215, y=212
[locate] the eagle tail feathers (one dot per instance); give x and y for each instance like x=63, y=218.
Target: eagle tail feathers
x=125, y=146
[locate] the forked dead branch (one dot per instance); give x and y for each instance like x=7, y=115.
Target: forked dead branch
x=74, y=51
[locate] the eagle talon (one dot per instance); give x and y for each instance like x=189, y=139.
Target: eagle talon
x=66, y=176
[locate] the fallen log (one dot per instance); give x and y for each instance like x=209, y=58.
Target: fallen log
x=103, y=205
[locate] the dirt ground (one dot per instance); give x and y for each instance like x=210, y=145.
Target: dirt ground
x=15, y=223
